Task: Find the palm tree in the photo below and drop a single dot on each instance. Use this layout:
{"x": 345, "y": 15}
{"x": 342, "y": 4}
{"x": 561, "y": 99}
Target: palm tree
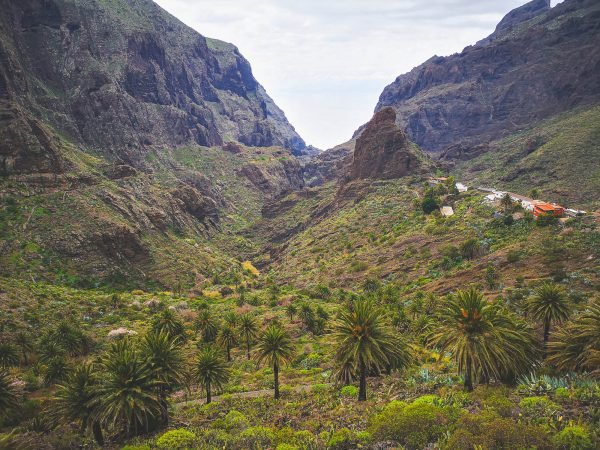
{"x": 76, "y": 400}
{"x": 548, "y": 305}
{"x": 307, "y": 315}
{"x": 207, "y": 326}
{"x": 507, "y": 203}
{"x": 168, "y": 322}
{"x": 227, "y": 339}
{"x": 249, "y": 328}
{"x": 576, "y": 346}
{"x": 127, "y": 397}
{"x": 211, "y": 371}
{"x": 275, "y": 347}
{"x": 366, "y": 340}
{"x": 8, "y": 396}
{"x": 25, "y": 342}
{"x": 291, "y": 311}
{"x": 164, "y": 356}
{"x": 231, "y": 318}
{"x": 9, "y": 355}
{"x": 484, "y": 340}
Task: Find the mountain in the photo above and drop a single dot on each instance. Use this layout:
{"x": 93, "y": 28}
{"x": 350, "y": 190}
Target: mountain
{"x": 120, "y": 78}
{"x": 129, "y": 143}
{"x": 539, "y": 62}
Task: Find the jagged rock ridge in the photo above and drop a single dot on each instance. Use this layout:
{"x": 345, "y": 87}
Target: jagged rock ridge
{"x": 539, "y": 62}
{"x": 120, "y": 78}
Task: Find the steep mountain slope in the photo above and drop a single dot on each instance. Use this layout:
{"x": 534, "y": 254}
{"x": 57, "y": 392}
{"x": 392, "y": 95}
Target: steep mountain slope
{"x": 128, "y": 143}
{"x": 121, "y": 77}
{"x": 538, "y": 62}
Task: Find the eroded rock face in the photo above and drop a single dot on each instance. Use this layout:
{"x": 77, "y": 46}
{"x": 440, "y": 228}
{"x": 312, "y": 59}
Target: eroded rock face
{"x": 383, "y": 151}
{"x": 121, "y": 81}
{"x": 538, "y": 62}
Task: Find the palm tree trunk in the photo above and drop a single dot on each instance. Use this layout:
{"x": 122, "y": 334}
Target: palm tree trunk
{"x": 248, "y": 346}
{"x": 97, "y": 430}
{"x": 468, "y": 376}
{"x": 362, "y": 388}
{"x": 228, "y": 353}
{"x": 208, "y": 396}
{"x": 276, "y": 375}
{"x": 546, "y": 336}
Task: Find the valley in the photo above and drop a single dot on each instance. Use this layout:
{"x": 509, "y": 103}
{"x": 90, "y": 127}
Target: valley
{"x": 179, "y": 270}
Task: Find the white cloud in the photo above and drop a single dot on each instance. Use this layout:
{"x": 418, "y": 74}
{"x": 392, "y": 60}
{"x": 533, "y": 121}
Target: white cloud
{"x": 326, "y": 62}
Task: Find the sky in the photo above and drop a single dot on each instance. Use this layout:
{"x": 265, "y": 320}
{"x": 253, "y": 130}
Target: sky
{"x": 325, "y": 62}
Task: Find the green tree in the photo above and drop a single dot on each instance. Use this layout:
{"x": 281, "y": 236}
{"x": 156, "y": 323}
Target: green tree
{"x": 8, "y": 397}
{"x": 507, "y": 203}
{"x": 291, "y": 311}
{"x": 576, "y": 345}
{"x": 24, "y": 341}
{"x": 231, "y": 318}
{"x": 548, "y": 305}
{"x": 207, "y": 326}
{"x": 168, "y": 322}
{"x": 227, "y": 339}
{"x": 76, "y": 401}
{"x": 9, "y": 355}
{"x": 365, "y": 340}
{"x": 307, "y": 316}
{"x": 211, "y": 371}
{"x": 248, "y": 328}
{"x": 127, "y": 396}
{"x": 275, "y": 346}
{"x": 484, "y": 340}
{"x": 164, "y": 357}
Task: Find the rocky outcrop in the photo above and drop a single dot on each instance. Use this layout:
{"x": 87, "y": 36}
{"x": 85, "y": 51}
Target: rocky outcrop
{"x": 332, "y": 164}
{"x": 539, "y": 62}
{"x": 121, "y": 80}
{"x": 383, "y": 151}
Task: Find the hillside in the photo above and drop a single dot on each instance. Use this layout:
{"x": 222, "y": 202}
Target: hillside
{"x": 539, "y": 62}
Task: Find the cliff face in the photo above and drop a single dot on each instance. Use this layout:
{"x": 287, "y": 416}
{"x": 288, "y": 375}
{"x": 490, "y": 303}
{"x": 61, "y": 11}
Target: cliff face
{"x": 538, "y": 62}
{"x": 383, "y": 151}
{"x": 121, "y": 77}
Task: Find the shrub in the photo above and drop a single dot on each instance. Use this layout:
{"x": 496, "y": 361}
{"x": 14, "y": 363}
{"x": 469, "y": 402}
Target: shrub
{"x": 562, "y": 394}
{"x": 287, "y": 447}
{"x": 341, "y": 439}
{"x": 426, "y": 400}
{"x": 537, "y": 407}
{"x": 311, "y": 361}
{"x": 513, "y": 256}
{"x": 574, "y": 437}
{"x": 349, "y": 391}
{"x": 235, "y": 421}
{"x": 544, "y": 220}
{"x": 413, "y": 425}
{"x": 256, "y": 438}
{"x": 429, "y": 204}
{"x": 500, "y": 404}
{"x": 486, "y": 430}
{"x": 136, "y": 447}
{"x": 180, "y": 439}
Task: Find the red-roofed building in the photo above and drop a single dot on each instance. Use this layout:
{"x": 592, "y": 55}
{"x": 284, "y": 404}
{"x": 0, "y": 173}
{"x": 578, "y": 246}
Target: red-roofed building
{"x": 540, "y": 207}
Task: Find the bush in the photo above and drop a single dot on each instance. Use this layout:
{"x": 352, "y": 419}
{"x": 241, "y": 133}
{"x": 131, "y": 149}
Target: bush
{"x": 413, "y": 425}
{"x": 256, "y": 438}
{"x": 544, "y": 220}
{"x": 537, "y": 407}
{"x": 429, "y": 204}
{"x": 486, "y": 430}
{"x": 513, "y": 256}
{"x": 349, "y": 391}
{"x": 341, "y": 439}
{"x": 136, "y": 447}
{"x": 234, "y": 421}
{"x": 562, "y": 394}
{"x": 180, "y": 439}
{"x": 574, "y": 437}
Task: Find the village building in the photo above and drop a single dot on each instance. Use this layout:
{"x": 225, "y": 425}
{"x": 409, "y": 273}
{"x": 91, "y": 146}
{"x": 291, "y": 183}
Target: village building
{"x": 540, "y": 207}
{"x": 447, "y": 211}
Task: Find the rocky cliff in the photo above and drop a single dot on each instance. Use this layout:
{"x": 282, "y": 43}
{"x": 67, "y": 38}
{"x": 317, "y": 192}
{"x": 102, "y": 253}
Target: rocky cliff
{"x": 538, "y": 62}
{"x": 383, "y": 151}
{"x": 121, "y": 77}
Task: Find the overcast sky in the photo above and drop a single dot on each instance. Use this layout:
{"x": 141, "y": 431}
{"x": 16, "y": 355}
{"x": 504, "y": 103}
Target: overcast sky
{"x": 325, "y": 62}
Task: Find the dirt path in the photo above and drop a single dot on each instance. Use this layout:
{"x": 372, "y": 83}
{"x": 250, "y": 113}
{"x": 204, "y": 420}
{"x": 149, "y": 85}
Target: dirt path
{"x": 247, "y": 394}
